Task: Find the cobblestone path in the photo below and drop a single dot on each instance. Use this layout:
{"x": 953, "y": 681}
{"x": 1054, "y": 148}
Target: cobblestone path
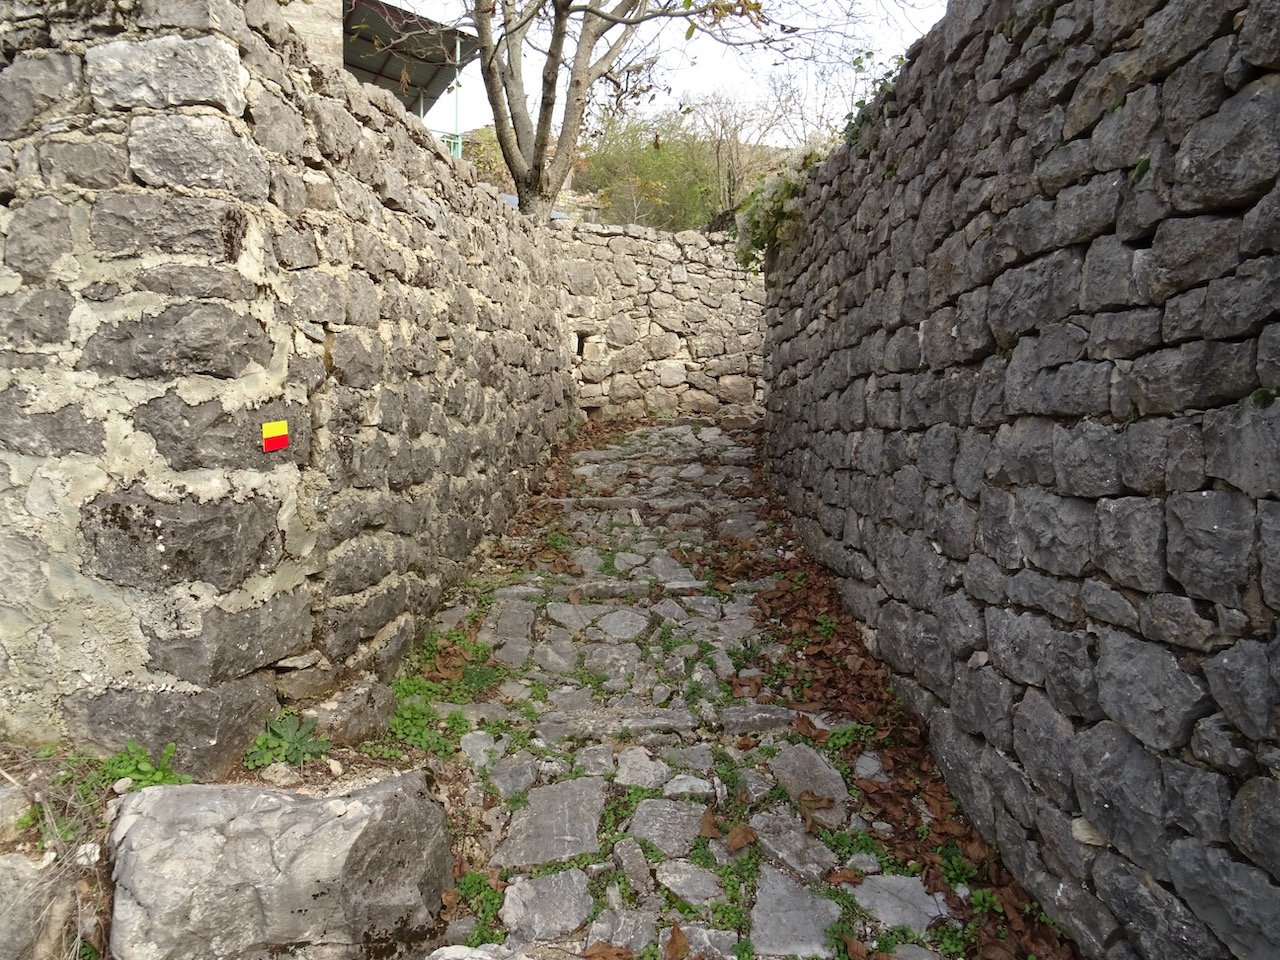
{"x": 685, "y": 751}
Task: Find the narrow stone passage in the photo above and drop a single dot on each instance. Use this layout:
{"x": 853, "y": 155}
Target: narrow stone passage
{"x": 685, "y": 750}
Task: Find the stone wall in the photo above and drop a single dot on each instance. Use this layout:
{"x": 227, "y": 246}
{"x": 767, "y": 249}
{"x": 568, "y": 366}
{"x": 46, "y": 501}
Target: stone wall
{"x": 661, "y": 324}
{"x": 1024, "y": 352}
{"x": 203, "y": 232}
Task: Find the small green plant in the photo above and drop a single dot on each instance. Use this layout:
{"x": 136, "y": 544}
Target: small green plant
{"x": 826, "y": 626}
{"x": 560, "y": 543}
{"x": 956, "y": 870}
{"x": 743, "y": 950}
{"x": 287, "y": 739}
{"x": 851, "y": 733}
{"x": 381, "y": 750}
{"x": 984, "y": 901}
{"x": 136, "y": 763}
{"x": 771, "y": 213}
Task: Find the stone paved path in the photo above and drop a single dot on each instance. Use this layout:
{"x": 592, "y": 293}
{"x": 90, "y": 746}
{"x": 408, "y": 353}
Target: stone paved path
{"x": 640, "y": 774}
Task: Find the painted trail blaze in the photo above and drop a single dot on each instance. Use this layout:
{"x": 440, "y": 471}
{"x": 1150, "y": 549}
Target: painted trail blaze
{"x": 275, "y": 435}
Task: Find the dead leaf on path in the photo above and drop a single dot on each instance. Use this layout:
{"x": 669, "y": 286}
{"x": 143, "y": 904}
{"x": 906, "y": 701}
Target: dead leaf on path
{"x": 741, "y": 837}
{"x": 607, "y": 951}
{"x": 709, "y": 828}
{"x": 449, "y": 903}
{"x": 575, "y": 595}
{"x": 844, "y": 875}
{"x": 856, "y": 949}
{"x": 996, "y": 951}
{"x": 810, "y": 802}
{"x": 807, "y": 728}
{"x": 677, "y": 944}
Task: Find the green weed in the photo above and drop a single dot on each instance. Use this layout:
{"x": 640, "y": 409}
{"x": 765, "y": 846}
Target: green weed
{"x": 287, "y": 739}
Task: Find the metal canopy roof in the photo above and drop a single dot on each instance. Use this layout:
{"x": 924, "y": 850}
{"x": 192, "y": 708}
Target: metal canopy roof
{"x": 396, "y": 49}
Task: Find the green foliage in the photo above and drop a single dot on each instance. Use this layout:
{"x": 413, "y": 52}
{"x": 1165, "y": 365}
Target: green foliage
{"x": 136, "y": 763}
{"x": 287, "y": 739}
{"x": 826, "y": 626}
{"x": 561, "y": 543}
{"x": 771, "y": 213}
{"x": 416, "y": 723}
{"x": 984, "y": 901}
{"x": 743, "y": 950}
{"x": 621, "y": 806}
{"x": 851, "y": 733}
{"x": 956, "y": 870}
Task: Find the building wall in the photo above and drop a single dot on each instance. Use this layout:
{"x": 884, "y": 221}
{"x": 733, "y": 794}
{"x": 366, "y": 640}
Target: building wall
{"x": 1024, "y": 355}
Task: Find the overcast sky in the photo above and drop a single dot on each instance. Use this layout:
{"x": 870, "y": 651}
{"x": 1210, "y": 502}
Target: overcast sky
{"x": 702, "y": 66}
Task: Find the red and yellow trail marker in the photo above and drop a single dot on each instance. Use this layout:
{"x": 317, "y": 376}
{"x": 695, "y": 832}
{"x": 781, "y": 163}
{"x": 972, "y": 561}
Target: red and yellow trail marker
{"x": 275, "y": 435}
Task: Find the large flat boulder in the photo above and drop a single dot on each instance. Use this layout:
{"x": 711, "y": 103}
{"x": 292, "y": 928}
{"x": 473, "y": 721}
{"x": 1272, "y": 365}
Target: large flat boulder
{"x": 241, "y": 872}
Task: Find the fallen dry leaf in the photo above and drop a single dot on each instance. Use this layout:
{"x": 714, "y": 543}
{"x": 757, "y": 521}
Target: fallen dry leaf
{"x": 709, "y": 828}
{"x": 844, "y": 875}
{"x": 677, "y": 944}
{"x": 741, "y": 837}
{"x": 607, "y": 951}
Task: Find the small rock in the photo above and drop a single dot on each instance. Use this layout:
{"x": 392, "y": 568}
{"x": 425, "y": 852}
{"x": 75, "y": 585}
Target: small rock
{"x": 689, "y": 882}
{"x": 782, "y": 837}
{"x": 545, "y": 908}
{"x": 670, "y": 825}
{"x": 560, "y": 821}
{"x": 686, "y": 787}
{"x": 595, "y": 761}
{"x": 637, "y": 769}
{"x": 898, "y": 901}
{"x": 801, "y": 769}
{"x": 277, "y": 774}
{"x": 625, "y": 624}
{"x": 789, "y": 920}
{"x": 632, "y": 929}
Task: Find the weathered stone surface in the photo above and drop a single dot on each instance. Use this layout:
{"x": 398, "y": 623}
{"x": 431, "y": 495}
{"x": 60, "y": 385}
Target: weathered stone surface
{"x": 547, "y": 908}
{"x": 1041, "y": 738}
{"x": 124, "y": 225}
{"x": 1233, "y": 156}
{"x": 212, "y": 728}
{"x": 670, "y": 825}
{"x": 788, "y": 920}
{"x": 55, "y": 433}
{"x": 783, "y": 837}
{"x": 277, "y": 871}
{"x": 1241, "y": 683}
{"x": 801, "y": 769}
{"x": 139, "y": 541}
{"x": 1260, "y": 34}
{"x": 1160, "y": 923}
{"x": 356, "y": 714}
{"x": 28, "y": 894}
{"x": 1118, "y": 784}
{"x": 1055, "y": 533}
{"x": 207, "y": 435}
{"x": 633, "y": 929}
{"x": 982, "y": 702}
{"x": 229, "y": 645}
{"x": 559, "y": 822}
{"x": 1214, "y": 741}
{"x": 1174, "y": 619}
{"x": 181, "y": 340}
{"x": 898, "y": 901}
{"x": 1142, "y": 687}
{"x": 39, "y": 242}
{"x": 1237, "y": 902}
{"x": 637, "y": 768}
{"x": 201, "y": 152}
{"x": 691, "y": 883}
{"x": 31, "y": 85}
{"x": 166, "y": 72}
{"x": 1210, "y": 540}
{"x": 1255, "y": 823}
{"x": 1130, "y": 545}
{"x": 1242, "y": 446}
{"x": 35, "y": 316}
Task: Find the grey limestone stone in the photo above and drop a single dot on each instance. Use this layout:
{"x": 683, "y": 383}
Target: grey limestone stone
{"x": 547, "y": 908}
{"x": 183, "y": 339}
{"x": 39, "y": 240}
{"x": 801, "y": 769}
{"x": 1174, "y": 619}
{"x": 1210, "y": 541}
{"x": 31, "y": 85}
{"x": 1055, "y": 533}
{"x": 691, "y": 883}
{"x": 1041, "y": 738}
{"x": 633, "y": 929}
{"x": 1260, "y": 34}
{"x": 1160, "y": 924}
{"x": 212, "y": 728}
{"x": 207, "y": 435}
{"x": 1239, "y": 903}
{"x": 136, "y": 540}
{"x": 788, "y": 920}
{"x": 29, "y": 893}
{"x": 275, "y": 870}
{"x": 670, "y": 825}
{"x": 1130, "y": 544}
{"x": 1232, "y": 156}
{"x": 782, "y": 837}
{"x": 982, "y": 702}
{"x": 1142, "y": 686}
{"x": 227, "y": 645}
{"x": 54, "y": 433}
{"x": 1242, "y": 446}
{"x": 637, "y": 768}
{"x": 124, "y": 225}
{"x": 167, "y": 71}
{"x": 1255, "y": 823}
{"x": 898, "y": 901}
{"x": 1087, "y": 460}
{"x": 35, "y": 316}
{"x": 559, "y": 822}
{"x": 1241, "y": 683}
{"x": 200, "y": 152}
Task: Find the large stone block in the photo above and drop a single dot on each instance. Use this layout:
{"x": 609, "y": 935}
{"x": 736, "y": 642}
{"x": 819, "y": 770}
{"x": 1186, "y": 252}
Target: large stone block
{"x": 39, "y": 243}
{"x": 982, "y": 703}
{"x": 1142, "y": 687}
{"x": 1087, "y": 460}
{"x": 54, "y": 433}
{"x": 184, "y": 339}
{"x": 167, "y": 72}
{"x": 96, "y": 165}
{"x": 32, "y": 85}
{"x": 229, "y": 645}
{"x": 1190, "y": 251}
{"x": 1241, "y": 682}
{"x": 129, "y": 224}
{"x": 31, "y": 317}
{"x": 1160, "y": 924}
{"x": 206, "y": 435}
{"x": 1242, "y": 446}
{"x": 1054, "y": 533}
{"x": 1130, "y": 544}
{"x": 1032, "y": 297}
{"x": 1210, "y": 543}
{"x": 212, "y": 728}
{"x": 1260, "y": 34}
{"x": 201, "y": 152}
{"x": 1255, "y": 823}
{"x": 1231, "y": 158}
{"x": 260, "y": 872}
{"x": 1041, "y": 738}
{"x": 1196, "y": 375}
{"x": 1239, "y": 903}
{"x": 1120, "y": 791}
{"x": 136, "y": 540}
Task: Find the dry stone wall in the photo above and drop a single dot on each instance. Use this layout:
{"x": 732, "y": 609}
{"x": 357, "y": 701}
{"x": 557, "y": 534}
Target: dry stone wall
{"x": 204, "y": 232}
{"x": 661, "y": 324}
{"x": 1025, "y": 350}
